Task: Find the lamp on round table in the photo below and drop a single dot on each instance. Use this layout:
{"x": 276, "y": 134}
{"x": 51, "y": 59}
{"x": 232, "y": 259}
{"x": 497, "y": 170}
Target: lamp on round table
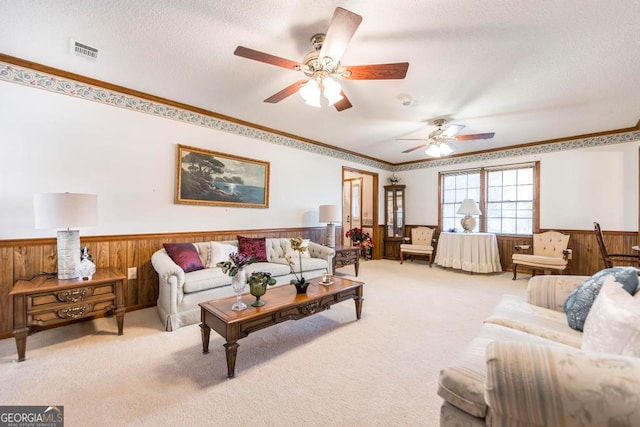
{"x": 467, "y": 208}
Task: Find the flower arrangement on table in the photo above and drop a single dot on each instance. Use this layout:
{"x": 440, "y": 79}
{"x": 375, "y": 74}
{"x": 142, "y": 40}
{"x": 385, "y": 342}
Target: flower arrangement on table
{"x": 261, "y": 278}
{"x": 258, "y": 282}
{"x": 236, "y": 262}
{"x": 360, "y": 238}
{"x": 235, "y": 268}
{"x": 297, "y": 246}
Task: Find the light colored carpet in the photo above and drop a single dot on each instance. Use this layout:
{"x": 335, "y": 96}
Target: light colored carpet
{"x": 327, "y": 369}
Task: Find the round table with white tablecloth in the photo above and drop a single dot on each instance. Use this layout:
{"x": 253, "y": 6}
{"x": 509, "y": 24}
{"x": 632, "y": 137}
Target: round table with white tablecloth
{"x": 474, "y": 252}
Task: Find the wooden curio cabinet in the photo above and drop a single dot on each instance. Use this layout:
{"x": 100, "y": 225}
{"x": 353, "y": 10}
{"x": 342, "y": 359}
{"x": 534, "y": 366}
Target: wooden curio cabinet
{"x": 393, "y": 220}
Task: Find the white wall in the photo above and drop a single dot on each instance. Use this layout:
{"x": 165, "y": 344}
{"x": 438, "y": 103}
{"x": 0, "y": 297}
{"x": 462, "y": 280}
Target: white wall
{"x": 57, "y": 143}
{"x": 577, "y": 187}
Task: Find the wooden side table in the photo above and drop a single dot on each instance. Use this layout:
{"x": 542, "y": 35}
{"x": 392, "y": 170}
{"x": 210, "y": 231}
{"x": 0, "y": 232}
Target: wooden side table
{"x": 46, "y": 301}
{"x": 347, "y": 255}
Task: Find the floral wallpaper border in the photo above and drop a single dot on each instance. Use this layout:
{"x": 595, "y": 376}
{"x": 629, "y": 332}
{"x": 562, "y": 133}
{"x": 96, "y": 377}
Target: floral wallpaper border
{"x": 618, "y": 138}
{"x": 25, "y": 76}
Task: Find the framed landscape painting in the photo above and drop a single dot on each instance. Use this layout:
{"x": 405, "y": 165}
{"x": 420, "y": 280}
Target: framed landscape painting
{"x": 210, "y": 178}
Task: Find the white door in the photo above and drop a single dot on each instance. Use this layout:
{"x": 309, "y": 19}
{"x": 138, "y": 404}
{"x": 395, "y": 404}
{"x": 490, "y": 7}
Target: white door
{"x": 352, "y": 206}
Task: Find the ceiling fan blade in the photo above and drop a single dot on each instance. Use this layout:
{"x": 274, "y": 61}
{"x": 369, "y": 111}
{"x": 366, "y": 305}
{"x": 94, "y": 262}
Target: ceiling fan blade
{"x": 397, "y": 70}
{"x": 287, "y": 91}
{"x": 245, "y": 52}
{"x": 341, "y": 29}
{"x": 475, "y": 136}
{"x": 417, "y": 147}
{"x": 344, "y": 103}
{"x": 451, "y": 130}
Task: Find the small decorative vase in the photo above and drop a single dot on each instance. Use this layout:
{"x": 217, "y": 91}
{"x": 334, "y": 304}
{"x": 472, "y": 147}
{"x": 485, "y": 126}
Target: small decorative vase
{"x": 257, "y": 290}
{"x": 238, "y": 283}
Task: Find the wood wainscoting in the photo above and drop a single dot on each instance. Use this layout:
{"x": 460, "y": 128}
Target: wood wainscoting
{"x": 24, "y": 258}
{"x": 586, "y": 258}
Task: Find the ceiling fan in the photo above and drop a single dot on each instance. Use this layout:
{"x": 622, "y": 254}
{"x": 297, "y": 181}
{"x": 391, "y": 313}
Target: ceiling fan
{"x": 322, "y": 65}
{"x": 437, "y": 139}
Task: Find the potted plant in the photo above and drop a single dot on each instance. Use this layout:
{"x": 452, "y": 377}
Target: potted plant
{"x": 300, "y": 283}
{"x": 258, "y": 282}
{"x": 357, "y": 236}
{"x": 360, "y": 238}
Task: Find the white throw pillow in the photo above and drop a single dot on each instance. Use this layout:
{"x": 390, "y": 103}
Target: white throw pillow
{"x": 613, "y": 323}
{"x": 294, "y": 254}
{"x": 219, "y": 252}
{"x": 305, "y": 244}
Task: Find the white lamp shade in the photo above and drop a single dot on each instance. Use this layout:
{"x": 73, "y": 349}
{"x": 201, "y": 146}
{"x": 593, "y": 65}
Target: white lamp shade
{"x": 310, "y": 92}
{"x": 332, "y": 90}
{"x": 439, "y": 149}
{"x": 329, "y": 213}
{"x": 469, "y": 207}
{"x": 65, "y": 210}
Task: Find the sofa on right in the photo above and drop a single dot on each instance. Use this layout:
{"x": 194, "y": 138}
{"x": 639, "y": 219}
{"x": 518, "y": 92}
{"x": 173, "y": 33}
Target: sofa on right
{"x": 528, "y": 367}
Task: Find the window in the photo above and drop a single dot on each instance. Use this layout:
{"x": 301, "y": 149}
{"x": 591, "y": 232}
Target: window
{"x": 455, "y": 188}
{"x": 506, "y": 195}
{"x": 509, "y": 201}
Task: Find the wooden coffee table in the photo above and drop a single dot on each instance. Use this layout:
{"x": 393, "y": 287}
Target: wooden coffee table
{"x": 282, "y": 304}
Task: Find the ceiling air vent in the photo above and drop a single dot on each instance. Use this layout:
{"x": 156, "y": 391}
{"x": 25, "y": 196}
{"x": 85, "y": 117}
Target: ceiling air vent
{"x": 84, "y": 51}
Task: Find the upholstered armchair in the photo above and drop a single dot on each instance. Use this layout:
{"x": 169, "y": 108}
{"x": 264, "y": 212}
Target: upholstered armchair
{"x": 549, "y": 253}
{"x": 422, "y": 243}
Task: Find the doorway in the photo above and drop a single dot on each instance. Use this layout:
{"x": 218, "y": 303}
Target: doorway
{"x": 360, "y": 204}
{"x": 351, "y": 205}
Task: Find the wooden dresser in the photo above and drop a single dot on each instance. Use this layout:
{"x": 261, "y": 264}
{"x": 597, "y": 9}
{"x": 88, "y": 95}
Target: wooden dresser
{"x": 43, "y": 301}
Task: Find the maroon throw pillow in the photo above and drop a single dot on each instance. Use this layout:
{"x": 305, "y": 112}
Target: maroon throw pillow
{"x": 185, "y": 255}
{"x": 253, "y": 247}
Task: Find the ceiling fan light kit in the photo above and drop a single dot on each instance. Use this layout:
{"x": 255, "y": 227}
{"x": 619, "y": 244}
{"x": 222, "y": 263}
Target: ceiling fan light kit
{"x": 322, "y": 65}
{"x": 439, "y": 149}
{"x": 310, "y": 91}
{"x": 436, "y": 143}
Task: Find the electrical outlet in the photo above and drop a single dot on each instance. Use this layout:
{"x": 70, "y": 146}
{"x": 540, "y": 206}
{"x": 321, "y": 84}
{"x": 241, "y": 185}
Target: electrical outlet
{"x": 132, "y": 273}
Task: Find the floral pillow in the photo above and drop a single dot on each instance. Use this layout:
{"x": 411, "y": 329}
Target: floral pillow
{"x": 613, "y": 324}
{"x": 253, "y": 247}
{"x": 581, "y": 299}
{"x": 185, "y": 255}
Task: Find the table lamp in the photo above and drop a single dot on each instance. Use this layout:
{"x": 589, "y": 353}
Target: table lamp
{"x": 330, "y": 214}
{"x": 64, "y": 211}
{"x": 467, "y": 208}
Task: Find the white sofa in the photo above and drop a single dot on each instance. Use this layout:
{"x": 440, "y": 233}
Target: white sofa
{"x": 180, "y": 292}
{"x": 526, "y": 368}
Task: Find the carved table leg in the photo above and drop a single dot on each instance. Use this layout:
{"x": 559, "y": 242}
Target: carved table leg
{"x": 231, "y": 349}
{"x": 21, "y": 342}
{"x": 358, "y": 300}
{"x": 206, "y": 332}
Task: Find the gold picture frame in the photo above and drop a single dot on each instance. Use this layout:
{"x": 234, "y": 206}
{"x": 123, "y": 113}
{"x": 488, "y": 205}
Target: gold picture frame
{"x": 205, "y": 177}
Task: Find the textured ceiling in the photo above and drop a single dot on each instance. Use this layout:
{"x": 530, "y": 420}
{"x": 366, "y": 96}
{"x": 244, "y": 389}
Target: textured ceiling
{"x": 527, "y": 70}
